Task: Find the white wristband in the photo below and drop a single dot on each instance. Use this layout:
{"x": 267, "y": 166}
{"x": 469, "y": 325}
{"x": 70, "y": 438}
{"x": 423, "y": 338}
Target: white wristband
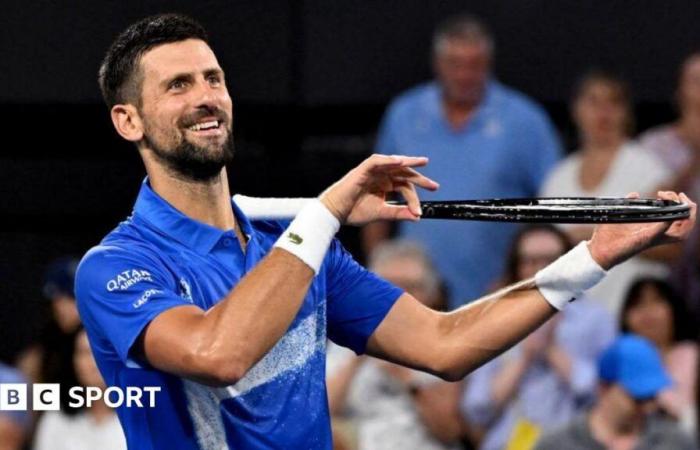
{"x": 310, "y": 234}
{"x": 256, "y": 208}
{"x": 569, "y": 276}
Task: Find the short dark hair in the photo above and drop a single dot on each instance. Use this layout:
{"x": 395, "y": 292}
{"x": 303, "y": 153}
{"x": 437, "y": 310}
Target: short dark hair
{"x": 465, "y": 27}
{"x": 605, "y": 76}
{"x": 683, "y": 324}
{"x": 613, "y": 80}
{"x": 119, "y": 77}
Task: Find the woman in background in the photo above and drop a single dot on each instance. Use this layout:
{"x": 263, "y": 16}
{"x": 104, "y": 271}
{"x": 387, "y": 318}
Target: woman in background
{"x": 96, "y": 427}
{"x": 607, "y": 164}
{"x": 652, "y": 310}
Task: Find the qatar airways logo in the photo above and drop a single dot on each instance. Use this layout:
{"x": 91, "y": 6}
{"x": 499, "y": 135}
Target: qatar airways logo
{"x": 128, "y": 278}
{"x": 47, "y": 396}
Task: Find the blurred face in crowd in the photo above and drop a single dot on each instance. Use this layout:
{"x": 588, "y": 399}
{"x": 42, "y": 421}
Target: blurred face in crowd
{"x": 651, "y": 316}
{"x": 462, "y": 67}
{"x": 622, "y": 410}
{"x": 689, "y": 86}
{"x": 186, "y": 111}
{"x": 84, "y": 362}
{"x": 601, "y": 113}
{"x": 537, "y": 249}
{"x": 410, "y": 274}
{"x": 65, "y": 312}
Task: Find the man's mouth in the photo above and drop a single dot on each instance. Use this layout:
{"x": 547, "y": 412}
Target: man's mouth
{"x": 212, "y": 127}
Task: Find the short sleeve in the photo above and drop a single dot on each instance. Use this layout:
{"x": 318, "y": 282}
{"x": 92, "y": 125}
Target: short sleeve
{"x": 119, "y": 292}
{"x": 357, "y": 300}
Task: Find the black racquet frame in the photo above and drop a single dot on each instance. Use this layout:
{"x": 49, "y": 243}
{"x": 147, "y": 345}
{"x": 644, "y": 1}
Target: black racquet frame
{"x": 557, "y": 210}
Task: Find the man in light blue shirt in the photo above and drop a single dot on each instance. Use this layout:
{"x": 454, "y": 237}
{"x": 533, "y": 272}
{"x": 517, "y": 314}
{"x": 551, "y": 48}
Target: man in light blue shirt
{"x": 484, "y": 140}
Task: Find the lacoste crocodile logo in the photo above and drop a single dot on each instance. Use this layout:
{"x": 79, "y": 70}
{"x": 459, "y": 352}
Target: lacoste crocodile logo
{"x": 295, "y": 238}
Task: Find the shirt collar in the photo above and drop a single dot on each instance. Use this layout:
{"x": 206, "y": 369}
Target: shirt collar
{"x": 199, "y": 236}
{"x": 485, "y": 106}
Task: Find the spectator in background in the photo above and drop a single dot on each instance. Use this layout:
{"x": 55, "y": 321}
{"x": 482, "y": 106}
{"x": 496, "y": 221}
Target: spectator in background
{"x": 14, "y": 425}
{"x": 547, "y": 379}
{"x": 607, "y": 165}
{"x": 484, "y": 140}
{"x": 653, "y": 310}
{"x": 631, "y": 376}
{"x": 678, "y": 145}
{"x": 96, "y": 427}
{"x": 389, "y": 406}
{"x": 49, "y": 359}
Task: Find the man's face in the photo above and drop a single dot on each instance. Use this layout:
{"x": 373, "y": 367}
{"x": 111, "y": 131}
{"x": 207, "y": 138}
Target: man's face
{"x": 186, "y": 109}
{"x": 462, "y": 67}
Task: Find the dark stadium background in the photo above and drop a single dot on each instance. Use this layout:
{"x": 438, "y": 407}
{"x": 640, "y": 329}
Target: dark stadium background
{"x": 310, "y": 80}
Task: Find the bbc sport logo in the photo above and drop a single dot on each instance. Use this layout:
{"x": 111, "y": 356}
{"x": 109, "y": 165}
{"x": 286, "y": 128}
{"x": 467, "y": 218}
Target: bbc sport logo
{"x": 47, "y": 396}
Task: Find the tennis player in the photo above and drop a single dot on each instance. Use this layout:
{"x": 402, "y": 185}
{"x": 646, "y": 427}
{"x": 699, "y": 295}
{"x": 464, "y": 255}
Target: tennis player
{"x": 229, "y": 316}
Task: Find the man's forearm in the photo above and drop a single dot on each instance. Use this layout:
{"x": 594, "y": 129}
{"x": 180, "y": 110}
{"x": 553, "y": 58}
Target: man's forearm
{"x": 258, "y": 311}
{"x": 480, "y": 331}
{"x": 220, "y": 345}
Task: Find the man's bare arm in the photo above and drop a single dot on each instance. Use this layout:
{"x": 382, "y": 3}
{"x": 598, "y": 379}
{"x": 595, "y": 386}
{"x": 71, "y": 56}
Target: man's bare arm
{"x": 218, "y": 346}
{"x": 453, "y": 344}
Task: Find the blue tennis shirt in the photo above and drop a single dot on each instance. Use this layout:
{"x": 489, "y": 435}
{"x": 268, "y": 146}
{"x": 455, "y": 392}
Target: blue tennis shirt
{"x": 159, "y": 259}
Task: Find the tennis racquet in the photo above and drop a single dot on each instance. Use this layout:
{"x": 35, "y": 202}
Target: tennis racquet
{"x": 557, "y": 210}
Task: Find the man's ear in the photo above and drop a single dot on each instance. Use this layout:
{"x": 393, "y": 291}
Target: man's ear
{"x": 127, "y": 122}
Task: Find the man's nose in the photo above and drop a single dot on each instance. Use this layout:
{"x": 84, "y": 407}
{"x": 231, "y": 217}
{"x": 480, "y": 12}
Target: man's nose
{"x": 207, "y": 96}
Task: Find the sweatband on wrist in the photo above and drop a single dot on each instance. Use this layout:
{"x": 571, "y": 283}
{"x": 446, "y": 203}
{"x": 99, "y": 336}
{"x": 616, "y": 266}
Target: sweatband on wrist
{"x": 569, "y": 276}
{"x": 271, "y": 208}
{"x": 310, "y": 234}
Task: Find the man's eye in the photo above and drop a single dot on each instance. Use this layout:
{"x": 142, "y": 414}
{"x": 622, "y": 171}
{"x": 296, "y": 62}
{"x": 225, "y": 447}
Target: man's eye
{"x": 177, "y": 84}
{"x": 215, "y": 80}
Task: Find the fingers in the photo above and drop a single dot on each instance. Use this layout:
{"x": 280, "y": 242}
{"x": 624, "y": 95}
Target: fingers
{"x": 668, "y": 195}
{"x": 383, "y": 161}
{"x": 412, "y": 161}
{"x": 408, "y": 191}
{"x": 632, "y": 195}
{"x": 397, "y": 212}
{"x": 410, "y": 175}
{"x": 693, "y": 206}
{"x": 680, "y": 229}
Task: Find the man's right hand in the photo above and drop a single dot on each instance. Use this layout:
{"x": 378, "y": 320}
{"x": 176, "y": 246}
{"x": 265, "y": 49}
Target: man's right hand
{"x": 360, "y": 196}
{"x": 611, "y": 244}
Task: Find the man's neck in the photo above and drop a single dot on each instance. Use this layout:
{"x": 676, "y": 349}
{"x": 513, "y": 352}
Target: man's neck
{"x": 458, "y": 113}
{"x": 206, "y": 202}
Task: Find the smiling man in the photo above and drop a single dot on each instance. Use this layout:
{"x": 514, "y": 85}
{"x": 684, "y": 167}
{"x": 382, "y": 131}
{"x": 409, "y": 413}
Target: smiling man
{"x": 229, "y": 316}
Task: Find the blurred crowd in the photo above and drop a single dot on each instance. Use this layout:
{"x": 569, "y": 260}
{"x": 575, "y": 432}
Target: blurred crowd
{"x": 618, "y": 369}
